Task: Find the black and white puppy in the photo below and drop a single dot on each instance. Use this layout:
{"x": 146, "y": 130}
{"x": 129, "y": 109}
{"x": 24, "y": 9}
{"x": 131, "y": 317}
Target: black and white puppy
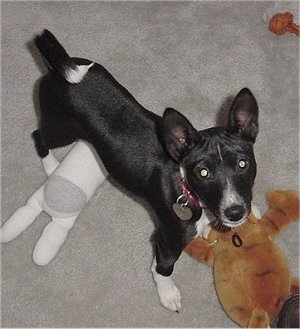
{"x": 179, "y": 171}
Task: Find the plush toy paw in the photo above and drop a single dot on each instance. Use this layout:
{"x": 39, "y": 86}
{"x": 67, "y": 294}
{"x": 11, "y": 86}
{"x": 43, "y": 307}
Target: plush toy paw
{"x": 53, "y": 236}
{"x": 22, "y": 217}
{"x": 259, "y": 319}
{"x": 287, "y": 201}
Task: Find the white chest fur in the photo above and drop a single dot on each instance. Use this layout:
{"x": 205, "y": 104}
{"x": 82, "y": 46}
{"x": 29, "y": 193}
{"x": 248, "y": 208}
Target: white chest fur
{"x": 203, "y": 224}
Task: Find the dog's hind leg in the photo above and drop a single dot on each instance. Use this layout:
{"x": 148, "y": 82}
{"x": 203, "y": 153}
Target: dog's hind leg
{"x": 49, "y": 161}
{"x": 58, "y": 132}
{"x": 58, "y": 125}
{"x": 57, "y": 128}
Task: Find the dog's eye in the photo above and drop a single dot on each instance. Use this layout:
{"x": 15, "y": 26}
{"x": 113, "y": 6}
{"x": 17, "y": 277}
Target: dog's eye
{"x": 204, "y": 173}
{"x": 242, "y": 163}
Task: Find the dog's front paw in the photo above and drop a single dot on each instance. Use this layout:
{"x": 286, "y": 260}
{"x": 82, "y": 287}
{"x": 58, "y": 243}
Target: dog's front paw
{"x": 169, "y": 296}
{"x": 168, "y": 293}
{"x": 255, "y": 211}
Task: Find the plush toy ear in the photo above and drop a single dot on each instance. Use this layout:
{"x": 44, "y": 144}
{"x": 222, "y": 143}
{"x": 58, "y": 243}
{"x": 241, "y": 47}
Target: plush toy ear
{"x": 178, "y": 133}
{"x": 243, "y": 116}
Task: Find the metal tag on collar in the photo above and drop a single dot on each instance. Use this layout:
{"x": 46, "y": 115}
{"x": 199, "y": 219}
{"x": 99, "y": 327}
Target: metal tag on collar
{"x": 181, "y": 208}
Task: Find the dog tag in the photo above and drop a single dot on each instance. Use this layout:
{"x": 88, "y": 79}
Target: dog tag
{"x": 182, "y": 212}
{"x": 181, "y": 208}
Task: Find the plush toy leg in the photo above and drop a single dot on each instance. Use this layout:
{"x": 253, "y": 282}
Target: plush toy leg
{"x": 283, "y": 210}
{"x": 259, "y": 319}
{"x": 23, "y": 217}
{"x": 53, "y": 236}
{"x": 50, "y": 163}
{"x": 201, "y": 250}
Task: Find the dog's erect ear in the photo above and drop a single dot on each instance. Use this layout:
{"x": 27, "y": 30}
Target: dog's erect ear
{"x": 178, "y": 133}
{"x": 243, "y": 116}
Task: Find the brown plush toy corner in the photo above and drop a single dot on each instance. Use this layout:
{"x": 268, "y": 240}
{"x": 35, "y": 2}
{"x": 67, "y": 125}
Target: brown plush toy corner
{"x": 252, "y": 281}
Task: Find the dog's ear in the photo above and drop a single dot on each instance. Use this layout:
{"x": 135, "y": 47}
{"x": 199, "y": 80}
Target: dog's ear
{"x": 178, "y": 133}
{"x": 243, "y": 116}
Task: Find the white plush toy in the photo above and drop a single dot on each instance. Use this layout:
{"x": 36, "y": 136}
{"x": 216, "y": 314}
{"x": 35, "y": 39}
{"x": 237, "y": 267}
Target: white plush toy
{"x": 69, "y": 187}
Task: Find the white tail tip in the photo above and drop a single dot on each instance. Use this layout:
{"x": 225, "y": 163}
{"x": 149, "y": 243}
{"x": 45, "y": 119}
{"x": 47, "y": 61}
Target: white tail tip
{"x": 76, "y": 75}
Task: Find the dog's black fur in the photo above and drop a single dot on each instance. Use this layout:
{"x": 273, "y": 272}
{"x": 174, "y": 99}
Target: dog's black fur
{"x": 144, "y": 152}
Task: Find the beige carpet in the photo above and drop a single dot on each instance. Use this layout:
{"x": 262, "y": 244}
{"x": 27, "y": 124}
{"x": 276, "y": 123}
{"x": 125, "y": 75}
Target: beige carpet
{"x": 188, "y": 55}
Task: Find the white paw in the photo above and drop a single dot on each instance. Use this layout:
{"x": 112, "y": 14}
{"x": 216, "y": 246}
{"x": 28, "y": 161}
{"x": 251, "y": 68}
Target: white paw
{"x": 169, "y": 297}
{"x": 255, "y": 211}
{"x": 168, "y": 293}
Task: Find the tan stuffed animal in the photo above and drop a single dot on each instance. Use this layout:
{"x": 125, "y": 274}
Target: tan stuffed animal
{"x": 251, "y": 274}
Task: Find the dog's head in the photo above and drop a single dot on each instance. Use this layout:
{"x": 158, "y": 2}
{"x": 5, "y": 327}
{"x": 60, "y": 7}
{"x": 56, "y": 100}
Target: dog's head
{"x": 219, "y": 162}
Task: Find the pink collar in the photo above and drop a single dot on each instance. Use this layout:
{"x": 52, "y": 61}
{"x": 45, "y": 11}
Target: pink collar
{"x": 192, "y": 198}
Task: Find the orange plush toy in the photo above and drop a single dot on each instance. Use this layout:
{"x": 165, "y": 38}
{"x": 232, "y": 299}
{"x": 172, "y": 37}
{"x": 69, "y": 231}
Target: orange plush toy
{"x": 251, "y": 274}
{"x": 282, "y": 23}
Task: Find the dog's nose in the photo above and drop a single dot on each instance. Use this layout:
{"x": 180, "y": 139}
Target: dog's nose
{"x": 235, "y": 213}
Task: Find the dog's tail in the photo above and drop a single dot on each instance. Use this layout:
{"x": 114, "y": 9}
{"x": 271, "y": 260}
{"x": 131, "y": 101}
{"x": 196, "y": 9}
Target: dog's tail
{"x": 57, "y": 58}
